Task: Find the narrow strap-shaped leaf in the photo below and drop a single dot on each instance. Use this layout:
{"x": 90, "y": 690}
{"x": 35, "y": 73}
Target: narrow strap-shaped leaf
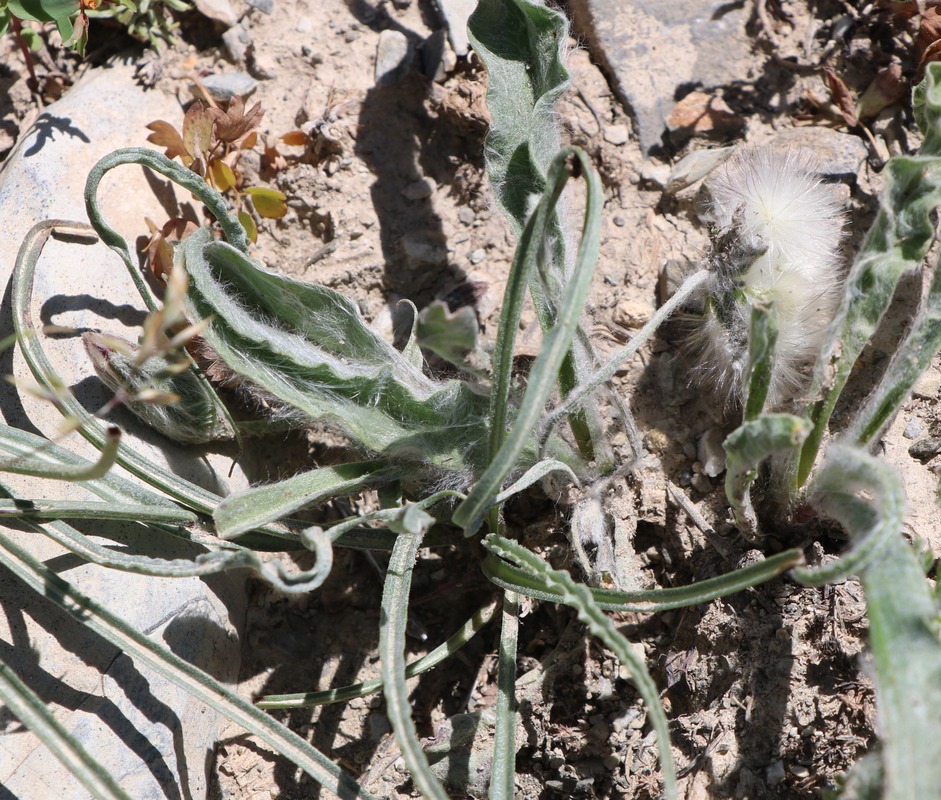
{"x": 34, "y": 713}
{"x": 395, "y": 599}
{"x": 897, "y": 242}
{"x": 911, "y": 359}
{"x": 250, "y": 509}
{"x": 609, "y": 369}
{"x": 176, "y": 670}
{"x": 579, "y": 597}
{"x": 906, "y": 654}
{"x": 468, "y": 630}
{"x": 503, "y": 776}
{"x": 872, "y": 523}
{"x": 42, "y": 510}
{"x": 89, "y": 471}
{"x": 525, "y": 582}
{"x": 762, "y": 340}
{"x": 542, "y": 378}
{"x": 92, "y": 429}
{"x": 746, "y": 448}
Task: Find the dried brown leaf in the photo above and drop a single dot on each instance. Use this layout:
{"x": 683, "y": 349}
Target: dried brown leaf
{"x": 166, "y": 136}
{"x": 843, "y": 97}
{"x": 235, "y": 123}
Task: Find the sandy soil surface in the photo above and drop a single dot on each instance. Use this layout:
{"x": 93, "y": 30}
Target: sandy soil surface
{"x": 767, "y": 691}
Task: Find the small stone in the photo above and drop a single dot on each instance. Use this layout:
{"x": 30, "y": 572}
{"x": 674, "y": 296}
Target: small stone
{"x": 774, "y": 774}
{"x": 236, "y": 42}
{"x": 304, "y": 25}
{"x": 438, "y": 59}
{"x": 455, "y": 14}
{"x": 611, "y": 762}
{"x": 401, "y": 5}
{"x": 699, "y": 112}
{"x": 466, "y": 215}
{"x": 619, "y": 220}
{"x": 799, "y": 771}
{"x": 421, "y": 189}
{"x": 424, "y": 250}
{"x": 928, "y": 385}
{"x": 711, "y": 453}
{"x": 912, "y": 429}
{"x": 223, "y": 86}
{"x": 616, "y": 134}
{"x": 264, "y": 66}
{"x": 393, "y": 57}
{"x": 925, "y": 449}
{"x": 701, "y": 483}
{"x": 218, "y": 10}
{"x": 264, "y": 6}
{"x": 840, "y": 155}
{"x": 632, "y": 313}
{"x": 476, "y": 256}
{"x": 651, "y": 50}
{"x": 672, "y": 275}
{"x": 657, "y": 174}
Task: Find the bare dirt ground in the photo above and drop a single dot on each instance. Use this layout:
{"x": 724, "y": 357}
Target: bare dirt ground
{"x": 766, "y": 691}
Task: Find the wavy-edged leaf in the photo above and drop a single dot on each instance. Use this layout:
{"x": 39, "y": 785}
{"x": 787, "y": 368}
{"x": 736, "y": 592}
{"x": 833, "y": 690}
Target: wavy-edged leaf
{"x": 746, "y": 448}
{"x": 308, "y": 347}
{"x": 395, "y": 599}
{"x": 506, "y": 452}
{"x": 873, "y": 521}
{"x": 579, "y": 597}
{"x": 502, "y": 573}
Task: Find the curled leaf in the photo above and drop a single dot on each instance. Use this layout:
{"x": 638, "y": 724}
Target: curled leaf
{"x": 270, "y": 203}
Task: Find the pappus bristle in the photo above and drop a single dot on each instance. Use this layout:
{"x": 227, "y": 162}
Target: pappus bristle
{"x": 776, "y": 240}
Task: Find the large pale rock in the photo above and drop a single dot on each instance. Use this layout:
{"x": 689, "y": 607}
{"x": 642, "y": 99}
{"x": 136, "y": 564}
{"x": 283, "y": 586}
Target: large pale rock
{"x": 655, "y": 50}
{"x": 153, "y": 737}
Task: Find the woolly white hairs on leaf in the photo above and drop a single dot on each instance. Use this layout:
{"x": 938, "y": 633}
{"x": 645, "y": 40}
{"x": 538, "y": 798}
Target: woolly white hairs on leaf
{"x": 776, "y": 240}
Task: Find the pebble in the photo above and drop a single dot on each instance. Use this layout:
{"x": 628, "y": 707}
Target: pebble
{"x": 455, "y": 14}
{"x": 218, "y": 10}
{"x": 700, "y": 112}
{"x": 928, "y": 385}
{"x": 264, "y": 6}
{"x": 912, "y": 429}
{"x": 264, "y": 66}
{"x": 236, "y": 42}
{"x": 840, "y": 155}
{"x": 438, "y": 59}
{"x": 424, "y": 250}
{"x": 393, "y": 57}
{"x": 421, "y": 189}
{"x": 476, "y": 256}
{"x": 925, "y": 449}
{"x": 223, "y": 86}
{"x": 619, "y": 220}
{"x": 774, "y": 774}
{"x": 304, "y": 25}
{"x": 616, "y": 134}
{"x": 701, "y": 483}
{"x": 466, "y": 215}
{"x": 651, "y": 50}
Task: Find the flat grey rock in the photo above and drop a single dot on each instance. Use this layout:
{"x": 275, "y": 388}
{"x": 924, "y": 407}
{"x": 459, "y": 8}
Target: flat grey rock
{"x": 150, "y": 735}
{"x": 393, "y": 57}
{"x": 840, "y": 155}
{"x": 656, "y": 49}
{"x": 455, "y": 14}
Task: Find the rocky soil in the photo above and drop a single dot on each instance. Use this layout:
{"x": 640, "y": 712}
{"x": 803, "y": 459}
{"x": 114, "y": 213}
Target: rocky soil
{"x": 767, "y": 691}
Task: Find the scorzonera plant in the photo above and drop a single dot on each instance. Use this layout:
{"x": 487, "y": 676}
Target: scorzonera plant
{"x": 445, "y": 454}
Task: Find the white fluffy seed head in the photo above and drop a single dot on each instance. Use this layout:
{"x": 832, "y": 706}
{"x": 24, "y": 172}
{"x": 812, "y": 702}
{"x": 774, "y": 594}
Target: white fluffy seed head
{"x": 776, "y": 240}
